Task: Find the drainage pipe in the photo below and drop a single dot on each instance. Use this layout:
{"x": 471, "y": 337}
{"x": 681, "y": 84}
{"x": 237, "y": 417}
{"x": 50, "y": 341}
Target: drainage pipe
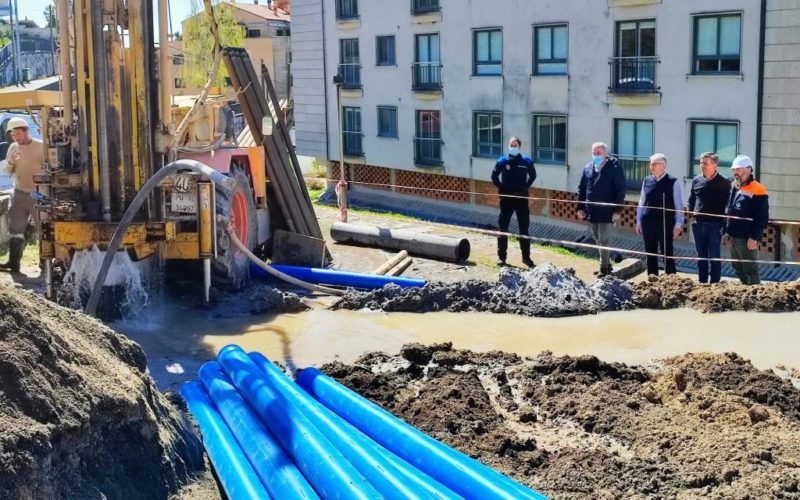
{"x": 237, "y": 476}
{"x": 278, "y": 473}
{"x": 391, "y": 476}
{"x": 462, "y": 474}
{"x": 221, "y": 181}
{"x": 425, "y": 245}
{"x": 331, "y": 475}
{"x": 341, "y": 278}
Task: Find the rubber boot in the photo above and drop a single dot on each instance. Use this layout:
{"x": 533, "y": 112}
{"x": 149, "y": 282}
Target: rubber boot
{"x": 16, "y": 246}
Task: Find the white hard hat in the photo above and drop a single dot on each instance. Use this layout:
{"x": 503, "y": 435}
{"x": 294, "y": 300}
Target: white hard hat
{"x": 742, "y": 161}
{"x": 16, "y": 122}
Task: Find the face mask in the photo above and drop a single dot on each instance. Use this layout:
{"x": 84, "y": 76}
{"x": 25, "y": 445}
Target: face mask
{"x": 513, "y": 151}
{"x": 597, "y": 160}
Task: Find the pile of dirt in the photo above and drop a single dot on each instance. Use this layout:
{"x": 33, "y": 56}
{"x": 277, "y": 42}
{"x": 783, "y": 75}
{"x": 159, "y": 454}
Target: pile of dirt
{"x": 671, "y": 291}
{"x": 79, "y": 417}
{"x": 698, "y": 425}
{"x": 264, "y": 299}
{"x": 543, "y": 291}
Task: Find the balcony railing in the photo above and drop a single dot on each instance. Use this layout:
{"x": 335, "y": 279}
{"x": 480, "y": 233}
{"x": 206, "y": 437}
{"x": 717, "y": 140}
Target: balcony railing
{"x": 353, "y": 145}
{"x": 635, "y": 169}
{"x": 346, "y": 9}
{"x": 426, "y": 76}
{"x": 633, "y": 75}
{"x": 427, "y": 151}
{"x": 424, "y": 6}
{"x": 351, "y": 75}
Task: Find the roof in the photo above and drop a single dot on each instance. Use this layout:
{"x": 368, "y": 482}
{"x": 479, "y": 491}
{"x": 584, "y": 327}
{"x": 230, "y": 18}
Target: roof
{"x": 264, "y": 11}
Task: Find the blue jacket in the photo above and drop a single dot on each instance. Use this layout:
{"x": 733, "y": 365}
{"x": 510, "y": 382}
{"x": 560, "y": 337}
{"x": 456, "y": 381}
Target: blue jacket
{"x": 514, "y": 174}
{"x": 606, "y": 186}
{"x": 751, "y": 201}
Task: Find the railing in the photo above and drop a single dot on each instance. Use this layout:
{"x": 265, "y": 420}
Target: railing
{"x": 426, "y": 76}
{"x": 351, "y": 75}
{"x": 427, "y": 151}
{"x": 424, "y": 6}
{"x": 346, "y": 9}
{"x": 635, "y": 169}
{"x": 353, "y": 143}
{"x": 633, "y": 74}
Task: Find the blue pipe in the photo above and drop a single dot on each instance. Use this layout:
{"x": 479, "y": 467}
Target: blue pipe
{"x": 237, "y": 476}
{"x": 339, "y": 278}
{"x": 392, "y": 477}
{"x": 324, "y": 466}
{"x": 462, "y": 474}
{"x": 275, "y": 468}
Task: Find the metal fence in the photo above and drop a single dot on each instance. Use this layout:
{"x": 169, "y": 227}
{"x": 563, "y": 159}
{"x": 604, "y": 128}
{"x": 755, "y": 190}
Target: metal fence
{"x": 633, "y": 74}
{"x": 351, "y": 75}
{"x": 424, "y": 6}
{"x": 426, "y": 76}
{"x": 427, "y": 151}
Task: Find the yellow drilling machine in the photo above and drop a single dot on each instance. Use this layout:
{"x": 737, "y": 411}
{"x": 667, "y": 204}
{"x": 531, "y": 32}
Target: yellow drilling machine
{"x": 171, "y": 182}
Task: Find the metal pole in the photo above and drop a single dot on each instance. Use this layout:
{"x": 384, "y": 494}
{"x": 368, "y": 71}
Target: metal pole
{"x": 64, "y": 60}
{"x": 341, "y": 187}
{"x": 101, "y": 93}
{"x": 14, "y": 41}
{"x": 664, "y": 223}
{"x": 52, "y": 42}
{"x": 165, "y": 67}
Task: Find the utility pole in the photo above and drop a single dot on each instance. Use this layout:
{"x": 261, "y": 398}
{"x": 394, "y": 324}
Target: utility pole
{"x": 18, "y": 53}
{"x": 50, "y": 23}
{"x": 341, "y": 187}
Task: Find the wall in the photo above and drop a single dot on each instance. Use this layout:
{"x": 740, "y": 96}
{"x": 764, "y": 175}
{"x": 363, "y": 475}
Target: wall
{"x": 308, "y": 78}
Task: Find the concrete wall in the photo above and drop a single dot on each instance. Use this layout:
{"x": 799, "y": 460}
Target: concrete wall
{"x": 581, "y": 95}
{"x": 780, "y": 140}
{"x": 308, "y": 78}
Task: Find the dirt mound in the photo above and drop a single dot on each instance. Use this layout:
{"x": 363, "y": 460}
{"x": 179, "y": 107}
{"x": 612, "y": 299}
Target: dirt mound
{"x": 544, "y": 291}
{"x": 673, "y": 291}
{"x": 264, "y": 299}
{"x": 698, "y": 425}
{"x": 79, "y": 417}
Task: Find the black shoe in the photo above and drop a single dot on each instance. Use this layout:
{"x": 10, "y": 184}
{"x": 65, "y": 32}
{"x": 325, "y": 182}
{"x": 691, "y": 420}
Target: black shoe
{"x": 16, "y": 246}
{"x": 501, "y": 262}
{"x": 528, "y": 262}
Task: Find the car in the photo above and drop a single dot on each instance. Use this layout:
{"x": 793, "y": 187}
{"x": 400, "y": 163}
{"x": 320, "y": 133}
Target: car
{"x": 6, "y": 180}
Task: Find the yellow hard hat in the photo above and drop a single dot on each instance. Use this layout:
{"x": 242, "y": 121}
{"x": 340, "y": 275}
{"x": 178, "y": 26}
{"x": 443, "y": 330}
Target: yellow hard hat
{"x": 16, "y": 122}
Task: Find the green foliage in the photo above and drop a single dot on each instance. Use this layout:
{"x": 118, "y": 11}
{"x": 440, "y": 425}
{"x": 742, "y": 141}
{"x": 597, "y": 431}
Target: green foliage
{"x": 50, "y": 17}
{"x": 198, "y": 44}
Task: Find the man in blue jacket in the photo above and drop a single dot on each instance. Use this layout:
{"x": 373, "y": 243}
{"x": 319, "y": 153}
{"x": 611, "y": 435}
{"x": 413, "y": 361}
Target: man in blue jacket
{"x": 748, "y": 206}
{"x": 513, "y": 175}
{"x": 602, "y": 181}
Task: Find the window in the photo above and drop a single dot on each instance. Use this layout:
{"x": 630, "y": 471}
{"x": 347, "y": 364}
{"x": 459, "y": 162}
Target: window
{"x": 253, "y": 33}
{"x": 179, "y": 83}
{"x": 346, "y": 9}
{"x": 550, "y": 139}
{"x": 717, "y": 43}
{"x": 634, "y": 64}
{"x": 384, "y": 51}
{"x": 487, "y": 52}
{"x": 550, "y": 50}
{"x": 721, "y": 138}
{"x": 424, "y": 6}
{"x": 428, "y": 139}
{"x": 387, "y": 121}
{"x": 350, "y": 63}
{"x": 283, "y": 30}
{"x": 487, "y": 138}
{"x": 634, "y": 146}
{"x": 427, "y": 68}
{"x": 177, "y": 59}
{"x": 351, "y": 131}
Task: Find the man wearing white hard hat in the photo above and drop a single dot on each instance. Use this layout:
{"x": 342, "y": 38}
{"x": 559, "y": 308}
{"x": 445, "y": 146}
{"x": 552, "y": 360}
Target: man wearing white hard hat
{"x": 748, "y": 208}
{"x": 24, "y": 159}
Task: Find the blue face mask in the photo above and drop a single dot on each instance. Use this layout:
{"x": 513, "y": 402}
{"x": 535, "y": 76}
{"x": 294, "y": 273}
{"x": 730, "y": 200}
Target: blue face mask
{"x": 513, "y": 151}
{"x": 597, "y": 160}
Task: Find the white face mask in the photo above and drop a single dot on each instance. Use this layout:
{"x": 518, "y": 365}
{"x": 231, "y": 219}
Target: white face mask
{"x": 512, "y": 151}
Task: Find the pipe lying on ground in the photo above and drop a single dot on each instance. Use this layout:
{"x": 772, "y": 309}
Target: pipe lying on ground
{"x": 237, "y": 476}
{"x": 331, "y": 475}
{"x": 462, "y": 474}
{"x": 424, "y": 245}
{"x": 339, "y": 278}
{"x": 393, "y": 261}
{"x": 278, "y": 473}
{"x": 391, "y": 476}
{"x": 402, "y": 266}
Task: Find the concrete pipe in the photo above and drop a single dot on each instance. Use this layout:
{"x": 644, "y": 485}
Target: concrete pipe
{"x": 424, "y": 245}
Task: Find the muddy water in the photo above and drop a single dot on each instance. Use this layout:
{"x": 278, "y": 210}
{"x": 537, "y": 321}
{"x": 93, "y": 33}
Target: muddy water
{"x": 178, "y": 345}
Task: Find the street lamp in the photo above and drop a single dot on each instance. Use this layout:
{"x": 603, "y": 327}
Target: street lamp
{"x": 341, "y": 187}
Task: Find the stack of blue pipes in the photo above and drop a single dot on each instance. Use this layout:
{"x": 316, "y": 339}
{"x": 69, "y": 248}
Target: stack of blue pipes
{"x": 270, "y": 437}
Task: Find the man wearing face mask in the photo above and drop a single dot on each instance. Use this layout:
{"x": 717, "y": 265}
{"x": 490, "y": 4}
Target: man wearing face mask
{"x": 748, "y": 206}
{"x": 602, "y": 181}
{"x": 513, "y": 175}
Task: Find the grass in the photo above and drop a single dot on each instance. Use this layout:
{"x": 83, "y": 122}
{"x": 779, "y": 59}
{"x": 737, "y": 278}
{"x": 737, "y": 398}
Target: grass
{"x": 30, "y": 257}
{"x": 563, "y": 251}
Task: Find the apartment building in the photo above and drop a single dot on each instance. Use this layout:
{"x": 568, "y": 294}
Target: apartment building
{"x": 433, "y": 89}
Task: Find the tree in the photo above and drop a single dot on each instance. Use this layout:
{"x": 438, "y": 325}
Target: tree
{"x": 50, "y": 17}
{"x": 198, "y": 44}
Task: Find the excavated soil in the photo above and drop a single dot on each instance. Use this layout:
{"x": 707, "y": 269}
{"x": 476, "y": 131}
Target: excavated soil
{"x": 673, "y": 291}
{"x": 693, "y": 426}
{"x": 79, "y": 417}
{"x": 543, "y": 291}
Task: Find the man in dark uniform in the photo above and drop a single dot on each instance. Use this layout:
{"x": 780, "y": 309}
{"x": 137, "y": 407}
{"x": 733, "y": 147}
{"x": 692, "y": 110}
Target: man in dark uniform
{"x": 513, "y": 175}
{"x": 748, "y": 208}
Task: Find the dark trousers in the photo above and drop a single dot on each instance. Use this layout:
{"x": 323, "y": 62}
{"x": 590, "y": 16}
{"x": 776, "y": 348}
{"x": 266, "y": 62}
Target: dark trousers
{"x": 509, "y": 206}
{"x": 746, "y": 269}
{"x": 707, "y": 241}
{"x": 656, "y": 240}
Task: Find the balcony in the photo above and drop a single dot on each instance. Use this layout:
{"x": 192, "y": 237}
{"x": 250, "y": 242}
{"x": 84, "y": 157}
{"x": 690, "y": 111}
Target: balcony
{"x": 352, "y": 143}
{"x": 346, "y": 9}
{"x": 426, "y": 77}
{"x": 424, "y": 6}
{"x": 635, "y": 169}
{"x": 351, "y": 75}
{"x": 633, "y": 75}
{"x": 428, "y": 151}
